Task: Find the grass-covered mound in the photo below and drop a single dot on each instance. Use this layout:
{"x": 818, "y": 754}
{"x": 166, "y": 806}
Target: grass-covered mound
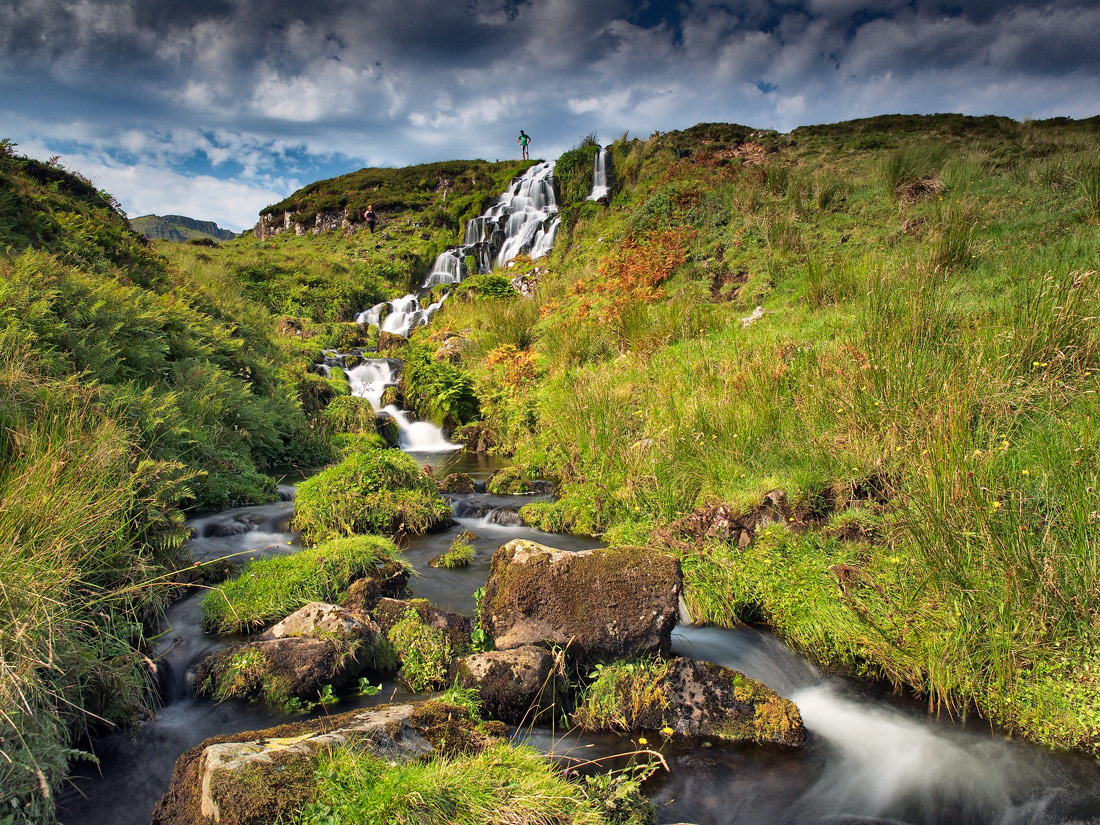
{"x": 912, "y": 414}
{"x": 374, "y": 491}
{"x": 271, "y": 589}
{"x": 500, "y": 785}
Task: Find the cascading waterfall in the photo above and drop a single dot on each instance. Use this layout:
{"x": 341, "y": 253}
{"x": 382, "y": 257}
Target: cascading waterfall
{"x": 601, "y": 176}
{"x": 399, "y": 316}
{"x": 523, "y": 219}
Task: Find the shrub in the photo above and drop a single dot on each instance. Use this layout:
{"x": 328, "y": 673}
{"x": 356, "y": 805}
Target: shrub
{"x": 435, "y": 389}
{"x": 375, "y": 491}
{"x": 271, "y": 589}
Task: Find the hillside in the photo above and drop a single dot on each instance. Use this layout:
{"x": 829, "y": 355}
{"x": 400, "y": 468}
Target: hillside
{"x": 895, "y": 466}
{"x": 178, "y": 228}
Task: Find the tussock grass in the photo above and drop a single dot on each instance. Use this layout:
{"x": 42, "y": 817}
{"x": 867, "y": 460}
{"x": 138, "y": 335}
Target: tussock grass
{"x": 500, "y": 786}
{"x": 269, "y": 590}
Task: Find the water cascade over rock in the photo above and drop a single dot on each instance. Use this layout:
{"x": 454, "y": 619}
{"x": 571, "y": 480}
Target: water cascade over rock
{"x": 399, "y": 316}
{"x": 523, "y": 219}
{"x": 601, "y": 176}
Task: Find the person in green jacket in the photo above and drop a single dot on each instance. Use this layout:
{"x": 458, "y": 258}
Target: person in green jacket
{"x": 523, "y": 140}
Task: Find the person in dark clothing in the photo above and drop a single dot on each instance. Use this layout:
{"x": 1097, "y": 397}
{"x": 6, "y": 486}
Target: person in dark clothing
{"x": 370, "y": 217}
{"x": 523, "y": 140}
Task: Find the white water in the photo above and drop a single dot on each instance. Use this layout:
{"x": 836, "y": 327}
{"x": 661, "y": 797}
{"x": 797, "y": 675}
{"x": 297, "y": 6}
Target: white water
{"x": 399, "y": 316}
{"x": 523, "y": 219}
{"x": 419, "y": 436}
{"x": 370, "y": 379}
{"x": 601, "y": 179}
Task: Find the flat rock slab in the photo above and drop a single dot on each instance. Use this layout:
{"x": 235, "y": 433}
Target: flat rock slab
{"x": 601, "y": 604}
{"x": 519, "y": 686}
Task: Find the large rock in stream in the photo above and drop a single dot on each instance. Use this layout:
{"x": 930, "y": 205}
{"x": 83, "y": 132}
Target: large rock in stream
{"x": 320, "y": 644}
{"x": 692, "y": 698}
{"x": 599, "y": 604}
{"x": 267, "y": 776}
{"x": 522, "y": 686}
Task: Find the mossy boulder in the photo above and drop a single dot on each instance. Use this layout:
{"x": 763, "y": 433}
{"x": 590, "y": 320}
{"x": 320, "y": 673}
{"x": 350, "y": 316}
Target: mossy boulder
{"x": 390, "y": 342}
{"x": 349, "y": 414}
{"x": 510, "y": 481}
{"x": 375, "y": 491}
{"x": 477, "y": 437}
{"x": 455, "y": 627}
{"x": 690, "y": 698}
{"x": 460, "y": 554}
{"x": 457, "y": 483}
{"x": 319, "y": 645}
{"x": 519, "y": 686}
{"x": 389, "y": 581}
{"x": 604, "y": 604}
{"x": 269, "y": 775}
{"x": 390, "y": 395}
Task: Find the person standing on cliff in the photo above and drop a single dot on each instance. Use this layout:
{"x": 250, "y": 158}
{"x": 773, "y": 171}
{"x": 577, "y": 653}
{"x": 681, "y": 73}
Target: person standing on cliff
{"x": 370, "y": 218}
{"x": 523, "y": 140}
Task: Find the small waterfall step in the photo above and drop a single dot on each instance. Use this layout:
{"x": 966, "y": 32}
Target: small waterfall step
{"x": 601, "y": 176}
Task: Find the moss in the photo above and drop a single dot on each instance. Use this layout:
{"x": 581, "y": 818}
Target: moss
{"x": 451, "y": 729}
{"x": 262, "y": 792}
{"x": 375, "y": 491}
{"x": 457, "y": 483}
{"x": 510, "y": 481}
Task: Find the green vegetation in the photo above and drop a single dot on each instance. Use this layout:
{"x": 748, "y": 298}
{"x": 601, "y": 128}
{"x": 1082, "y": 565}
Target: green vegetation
{"x": 434, "y": 389}
{"x": 373, "y": 491}
{"x": 459, "y": 554}
{"x": 498, "y": 786}
{"x": 912, "y": 413}
{"x": 180, "y": 229}
{"x": 440, "y": 194}
{"x": 423, "y": 651}
{"x": 620, "y": 693}
{"x": 271, "y": 589}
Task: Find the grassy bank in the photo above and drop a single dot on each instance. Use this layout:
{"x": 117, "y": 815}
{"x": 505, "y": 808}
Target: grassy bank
{"x": 908, "y": 432}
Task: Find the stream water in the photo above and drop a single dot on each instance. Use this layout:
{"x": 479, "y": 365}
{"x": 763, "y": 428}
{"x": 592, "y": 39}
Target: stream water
{"x": 868, "y": 760}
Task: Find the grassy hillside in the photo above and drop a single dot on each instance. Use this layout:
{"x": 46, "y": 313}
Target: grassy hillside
{"x": 912, "y": 423}
{"x": 433, "y": 195}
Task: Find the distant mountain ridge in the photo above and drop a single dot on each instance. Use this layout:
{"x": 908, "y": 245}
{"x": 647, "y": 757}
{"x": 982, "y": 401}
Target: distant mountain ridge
{"x": 178, "y": 228}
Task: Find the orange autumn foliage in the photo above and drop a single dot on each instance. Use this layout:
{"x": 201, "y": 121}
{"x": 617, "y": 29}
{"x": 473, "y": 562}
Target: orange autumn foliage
{"x": 633, "y": 272}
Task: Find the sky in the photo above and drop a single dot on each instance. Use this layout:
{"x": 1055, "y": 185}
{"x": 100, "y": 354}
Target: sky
{"x": 217, "y": 108}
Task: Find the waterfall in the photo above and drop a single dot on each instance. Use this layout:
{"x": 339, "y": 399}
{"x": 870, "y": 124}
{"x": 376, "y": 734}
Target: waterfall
{"x": 399, "y": 316}
{"x": 419, "y": 436}
{"x": 601, "y": 176}
{"x": 370, "y": 379}
{"x": 523, "y": 219}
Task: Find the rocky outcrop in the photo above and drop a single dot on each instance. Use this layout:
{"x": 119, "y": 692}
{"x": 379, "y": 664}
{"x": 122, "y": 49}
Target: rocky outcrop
{"x": 267, "y": 776}
{"x": 520, "y": 686}
{"x": 318, "y": 645}
{"x": 602, "y": 604}
{"x": 389, "y": 581}
{"x": 274, "y": 224}
{"x": 685, "y": 697}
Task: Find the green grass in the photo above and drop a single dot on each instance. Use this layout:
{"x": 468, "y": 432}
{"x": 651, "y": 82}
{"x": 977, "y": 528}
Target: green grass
{"x": 424, "y": 653}
{"x": 499, "y": 786}
{"x": 269, "y": 590}
{"x": 372, "y": 491}
{"x": 459, "y": 554}
{"x": 912, "y": 329}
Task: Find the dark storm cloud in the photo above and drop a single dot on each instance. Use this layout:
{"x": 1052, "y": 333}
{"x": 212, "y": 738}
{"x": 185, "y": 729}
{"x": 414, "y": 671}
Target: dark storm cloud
{"x": 273, "y": 86}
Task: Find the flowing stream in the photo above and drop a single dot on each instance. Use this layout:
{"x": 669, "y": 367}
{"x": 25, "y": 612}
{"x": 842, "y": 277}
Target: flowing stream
{"x": 868, "y": 760}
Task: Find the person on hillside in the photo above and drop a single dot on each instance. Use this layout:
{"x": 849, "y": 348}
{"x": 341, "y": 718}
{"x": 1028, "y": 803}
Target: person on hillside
{"x": 523, "y": 140}
{"x": 370, "y": 217}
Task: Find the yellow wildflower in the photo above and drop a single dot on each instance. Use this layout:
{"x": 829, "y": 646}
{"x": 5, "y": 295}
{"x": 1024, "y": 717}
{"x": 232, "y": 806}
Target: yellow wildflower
{"x": 642, "y": 740}
{"x": 667, "y": 731}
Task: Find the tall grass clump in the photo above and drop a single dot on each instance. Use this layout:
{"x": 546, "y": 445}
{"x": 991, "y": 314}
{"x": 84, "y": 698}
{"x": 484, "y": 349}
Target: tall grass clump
{"x": 499, "y": 786}
{"x": 373, "y": 491}
{"x": 85, "y": 530}
{"x": 1087, "y": 180}
{"x": 913, "y": 171}
{"x": 271, "y": 589}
